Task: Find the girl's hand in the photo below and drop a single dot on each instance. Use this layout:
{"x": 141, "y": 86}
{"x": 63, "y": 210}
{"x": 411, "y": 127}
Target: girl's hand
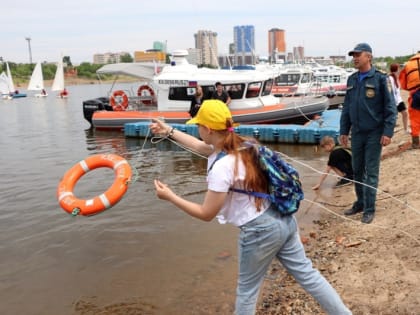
{"x": 159, "y": 127}
{"x": 162, "y": 190}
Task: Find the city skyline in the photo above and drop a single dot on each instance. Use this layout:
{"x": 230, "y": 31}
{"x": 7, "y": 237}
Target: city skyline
{"x": 82, "y": 29}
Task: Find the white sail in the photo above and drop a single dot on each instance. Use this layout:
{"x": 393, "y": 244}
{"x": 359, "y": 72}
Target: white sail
{"x": 58, "y": 83}
{"x": 4, "y": 83}
{"x": 37, "y": 80}
{"x": 9, "y": 75}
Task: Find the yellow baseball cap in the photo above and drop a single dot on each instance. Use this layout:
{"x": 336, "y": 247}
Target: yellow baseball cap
{"x": 212, "y": 114}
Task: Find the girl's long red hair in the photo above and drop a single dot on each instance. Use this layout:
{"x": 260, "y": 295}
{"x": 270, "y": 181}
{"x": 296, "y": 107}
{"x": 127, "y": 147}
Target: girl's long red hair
{"x": 255, "y": 179}
{"x": 394, "y": 69}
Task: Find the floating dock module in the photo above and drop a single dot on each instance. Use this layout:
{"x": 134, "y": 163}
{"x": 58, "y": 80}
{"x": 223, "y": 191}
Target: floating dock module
{"x": 311, "y": 133}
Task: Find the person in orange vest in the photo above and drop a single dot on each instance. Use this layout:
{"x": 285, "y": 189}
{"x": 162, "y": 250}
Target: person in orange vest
{"x": 410, "y": 80}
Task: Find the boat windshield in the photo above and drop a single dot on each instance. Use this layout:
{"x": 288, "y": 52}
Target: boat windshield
{"x": 235, "y": 90}
{"x": 268, "y": 85}
{"x": 287, "y": 79}
{"x": 186, "y": 93}
{"x": 329, "y": 78}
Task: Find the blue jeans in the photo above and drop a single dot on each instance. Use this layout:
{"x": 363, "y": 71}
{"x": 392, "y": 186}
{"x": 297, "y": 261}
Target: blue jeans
{"x": 268, "y": 236}
{"x": 366, "y": 155}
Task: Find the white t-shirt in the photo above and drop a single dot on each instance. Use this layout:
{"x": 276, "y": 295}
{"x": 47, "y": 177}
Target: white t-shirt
{"x": 395, "y": 91}
{"x": 238, "y": 208}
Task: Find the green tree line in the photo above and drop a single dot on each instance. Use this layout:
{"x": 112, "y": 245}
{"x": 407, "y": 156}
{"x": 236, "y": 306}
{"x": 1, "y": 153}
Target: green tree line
{"x": 22, "y": 72}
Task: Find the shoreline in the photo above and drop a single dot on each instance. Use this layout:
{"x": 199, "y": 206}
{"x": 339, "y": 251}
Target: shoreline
{"x": 77, "y": 81}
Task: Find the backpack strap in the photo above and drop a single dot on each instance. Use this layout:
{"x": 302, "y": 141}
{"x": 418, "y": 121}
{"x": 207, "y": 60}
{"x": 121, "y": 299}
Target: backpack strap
{"x": 218, "y": 157}
{"x": 252, "y": 193}
{"x": 242, "y": 191}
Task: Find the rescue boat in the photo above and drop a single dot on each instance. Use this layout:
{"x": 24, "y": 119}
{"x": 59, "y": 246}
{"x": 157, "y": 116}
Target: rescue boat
{"x": 168, "y": 91}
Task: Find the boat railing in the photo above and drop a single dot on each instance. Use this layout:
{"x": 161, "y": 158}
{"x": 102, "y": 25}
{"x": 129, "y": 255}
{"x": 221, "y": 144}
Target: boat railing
{"x": 142, "y": 102}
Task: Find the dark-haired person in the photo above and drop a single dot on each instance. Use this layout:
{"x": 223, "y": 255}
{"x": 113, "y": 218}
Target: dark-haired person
{"x": 370, "y": 113}
{"x": 264, "y": 233}
{"x": 196, "y": 101}
{"x": 221, "y": 94}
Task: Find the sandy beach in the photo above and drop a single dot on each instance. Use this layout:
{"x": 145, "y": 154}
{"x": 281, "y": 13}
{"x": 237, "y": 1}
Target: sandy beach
{"x": 374, "y": 267}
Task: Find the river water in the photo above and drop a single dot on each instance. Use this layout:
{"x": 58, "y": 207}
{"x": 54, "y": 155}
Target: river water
{"x": 142, "y": 255}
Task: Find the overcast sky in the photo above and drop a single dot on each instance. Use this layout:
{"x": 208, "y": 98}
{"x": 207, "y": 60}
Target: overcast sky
{"x": 80, "y": 29}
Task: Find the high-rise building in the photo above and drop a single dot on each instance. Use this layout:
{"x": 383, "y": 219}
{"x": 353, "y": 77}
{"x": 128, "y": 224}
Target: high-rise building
{"x": 276, "y": 44}
{"x": 194, "y": 56}
{"x": 161, "y": 46}
{"x": 299, "y": 53}
{"x": 206, "y": 41}
{"x": 244, "y": 40}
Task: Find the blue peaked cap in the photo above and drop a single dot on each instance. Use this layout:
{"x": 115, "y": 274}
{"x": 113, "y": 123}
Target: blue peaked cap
{"x": 359, "y": 48}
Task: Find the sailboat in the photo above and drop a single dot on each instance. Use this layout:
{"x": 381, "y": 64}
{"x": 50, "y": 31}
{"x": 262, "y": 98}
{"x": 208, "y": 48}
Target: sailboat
{"x": 58, "y": 83}
{"x": 4, "y": 85}
{"x": 37, "y": 81}
{"x": 13, "y": 93}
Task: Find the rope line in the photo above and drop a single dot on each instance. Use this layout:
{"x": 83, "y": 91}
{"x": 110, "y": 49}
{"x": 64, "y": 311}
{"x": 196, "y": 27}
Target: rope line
{"x": 405, "y": 203}
{"x": 157, "y": 139}
{"x": 359, "y": 223}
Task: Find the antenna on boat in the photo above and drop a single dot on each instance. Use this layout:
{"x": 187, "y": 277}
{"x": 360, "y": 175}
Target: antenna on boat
{"x": 212, "y": 52}
{"x": 228, "y": 61}
{"x": 252, "y": 52}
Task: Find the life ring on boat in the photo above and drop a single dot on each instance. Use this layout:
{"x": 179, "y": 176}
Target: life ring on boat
{"x": 119, "y": 100}
{"x": 109, "y": 198}
{"x": 146, "y": 90}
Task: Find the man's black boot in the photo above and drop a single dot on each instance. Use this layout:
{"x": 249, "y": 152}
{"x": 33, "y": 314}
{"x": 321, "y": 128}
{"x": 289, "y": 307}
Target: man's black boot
{"x": 352, "y": 211}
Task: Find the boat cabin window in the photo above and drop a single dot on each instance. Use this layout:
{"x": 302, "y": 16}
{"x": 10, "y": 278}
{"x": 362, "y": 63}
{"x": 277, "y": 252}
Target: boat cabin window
{"x": 322, "y": 78}
{"x": 253, "y": 90}
{"x": 267, "y": 87}
{"x": 287, "y": 79}
{"x": 186, "y": 93}
{"x": 335, "y": 79}
{"x": 235, "y": 91}
{"x": 306, "y": 78}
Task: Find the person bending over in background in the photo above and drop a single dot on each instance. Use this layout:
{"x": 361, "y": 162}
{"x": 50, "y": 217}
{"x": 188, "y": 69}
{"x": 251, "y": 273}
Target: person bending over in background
{"x": 339, "y": 161}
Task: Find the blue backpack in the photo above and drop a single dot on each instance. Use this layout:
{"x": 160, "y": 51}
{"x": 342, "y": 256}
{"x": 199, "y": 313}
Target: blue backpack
{"x": 284, "y": 187}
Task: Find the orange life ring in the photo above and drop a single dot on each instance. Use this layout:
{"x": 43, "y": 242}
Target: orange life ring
{"x": 109, "y": 198}
{"x": 140, "y": 92}
{"x": 119, "y": 100}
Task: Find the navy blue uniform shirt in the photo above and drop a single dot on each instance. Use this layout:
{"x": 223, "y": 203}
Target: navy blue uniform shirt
{"x": 369, "y": 104}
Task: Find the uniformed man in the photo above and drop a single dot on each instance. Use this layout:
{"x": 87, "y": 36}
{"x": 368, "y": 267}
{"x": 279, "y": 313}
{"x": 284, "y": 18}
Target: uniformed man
{"x": 369, "y": 113}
